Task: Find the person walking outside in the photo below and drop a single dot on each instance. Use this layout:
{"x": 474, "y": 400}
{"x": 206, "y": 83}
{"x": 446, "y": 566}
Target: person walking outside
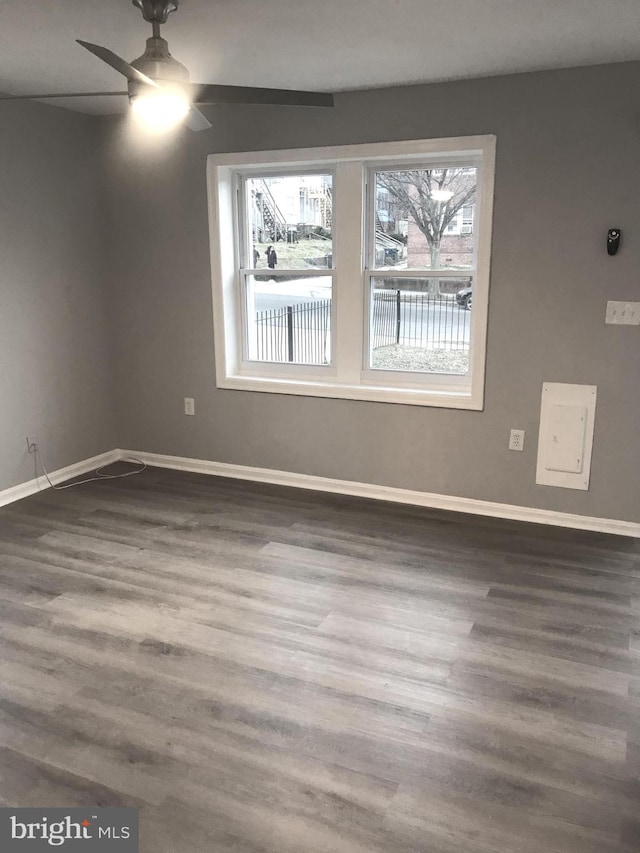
{"x": 272, "y": 258}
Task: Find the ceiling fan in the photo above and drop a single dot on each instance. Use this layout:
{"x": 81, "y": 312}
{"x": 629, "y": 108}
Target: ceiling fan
{"x": 159, "y": 88}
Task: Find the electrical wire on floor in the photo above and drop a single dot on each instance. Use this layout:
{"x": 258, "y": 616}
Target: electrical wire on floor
{"x": 98, "y": 476}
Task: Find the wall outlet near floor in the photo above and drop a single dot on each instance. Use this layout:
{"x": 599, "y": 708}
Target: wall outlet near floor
{"x": 189, "y": 406}
{"x": 32, "y": 444}
{"x": 516, "y": 439}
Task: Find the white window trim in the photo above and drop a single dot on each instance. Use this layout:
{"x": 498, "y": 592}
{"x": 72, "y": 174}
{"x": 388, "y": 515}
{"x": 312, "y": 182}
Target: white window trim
{"x": 347, "y": 378}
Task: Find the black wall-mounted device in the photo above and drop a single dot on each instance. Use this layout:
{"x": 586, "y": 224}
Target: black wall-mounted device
{"x": 613, "y": 240}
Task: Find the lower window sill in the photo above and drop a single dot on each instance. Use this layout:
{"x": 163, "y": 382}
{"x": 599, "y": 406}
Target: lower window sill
{"x": 446, "y": 398}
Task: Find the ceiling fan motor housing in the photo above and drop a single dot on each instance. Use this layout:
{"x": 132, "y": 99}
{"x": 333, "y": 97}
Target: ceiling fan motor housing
{"x": 156, "y": 11}
{"x": 156, "y": 62}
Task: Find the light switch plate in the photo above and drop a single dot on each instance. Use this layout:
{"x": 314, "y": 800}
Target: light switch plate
{"x": 623, "y": 313}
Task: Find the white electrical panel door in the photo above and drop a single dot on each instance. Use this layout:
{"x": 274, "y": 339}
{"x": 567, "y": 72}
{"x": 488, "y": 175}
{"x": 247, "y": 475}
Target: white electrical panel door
{"x": 567, "y": 418}
{"x": 565, "y": 437}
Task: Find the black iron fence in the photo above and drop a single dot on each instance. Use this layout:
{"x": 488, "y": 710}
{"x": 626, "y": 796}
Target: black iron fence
{"x": 418, "y": 320}
{"x": 302, "y": 333}
{"x": 299, "y": 333}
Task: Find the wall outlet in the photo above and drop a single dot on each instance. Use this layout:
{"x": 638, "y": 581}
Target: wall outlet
{"x": 32, "y": 444}
{"x": 516, "y": 439}
{"x": 189, "y": 406}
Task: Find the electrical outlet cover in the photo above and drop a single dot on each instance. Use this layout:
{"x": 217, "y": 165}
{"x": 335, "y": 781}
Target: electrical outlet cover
{"x": 516, "y": 439}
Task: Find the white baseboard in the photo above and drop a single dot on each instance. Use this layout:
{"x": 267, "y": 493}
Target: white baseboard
{"x": 39, "y": 484}
{"x": 327, "y": 484}
{"x": 389, "y": 493}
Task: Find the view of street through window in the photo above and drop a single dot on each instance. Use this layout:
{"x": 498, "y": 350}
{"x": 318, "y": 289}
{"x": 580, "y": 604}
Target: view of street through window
{"x": 422, "y": 257}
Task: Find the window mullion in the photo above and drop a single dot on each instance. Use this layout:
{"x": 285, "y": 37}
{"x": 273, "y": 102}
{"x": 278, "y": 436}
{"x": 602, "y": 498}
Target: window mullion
{"x": 349, "y": 249}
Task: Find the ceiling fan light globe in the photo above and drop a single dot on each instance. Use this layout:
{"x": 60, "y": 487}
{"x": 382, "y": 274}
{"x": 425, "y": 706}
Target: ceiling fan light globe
{"x": 160, "y": 112}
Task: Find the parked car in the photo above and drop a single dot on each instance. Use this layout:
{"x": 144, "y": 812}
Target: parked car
{"x": 463, "y": 298}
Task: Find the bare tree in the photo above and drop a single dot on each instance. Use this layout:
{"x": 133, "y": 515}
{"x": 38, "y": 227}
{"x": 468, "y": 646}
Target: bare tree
{"x": 433, "y": 198}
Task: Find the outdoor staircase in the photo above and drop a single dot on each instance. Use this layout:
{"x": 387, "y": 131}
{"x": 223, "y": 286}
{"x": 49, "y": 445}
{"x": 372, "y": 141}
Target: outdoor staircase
{"x": 274, "y": 224}
{"x": 326, "y": 208}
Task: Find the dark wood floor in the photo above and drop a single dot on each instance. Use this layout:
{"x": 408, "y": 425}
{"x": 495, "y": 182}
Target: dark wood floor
{"x": 264, "y": 669}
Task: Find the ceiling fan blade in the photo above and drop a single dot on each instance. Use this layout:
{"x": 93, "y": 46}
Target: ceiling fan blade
{"x": 213, "y": 94}
{"x": 195, "y": 120}
{"x": 132, "y": 74}
{"x": 60, "y": 95}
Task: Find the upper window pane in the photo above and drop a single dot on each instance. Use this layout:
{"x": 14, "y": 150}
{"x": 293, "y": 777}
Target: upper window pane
{"x": 290, "y": 221}
{"x": 424, "y": 218}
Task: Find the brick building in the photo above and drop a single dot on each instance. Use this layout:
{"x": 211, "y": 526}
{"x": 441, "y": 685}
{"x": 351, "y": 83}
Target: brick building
{"x": 456, "y": 246}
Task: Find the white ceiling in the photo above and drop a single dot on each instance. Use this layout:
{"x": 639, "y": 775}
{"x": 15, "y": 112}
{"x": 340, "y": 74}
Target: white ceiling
{"x": 325, "y": 45}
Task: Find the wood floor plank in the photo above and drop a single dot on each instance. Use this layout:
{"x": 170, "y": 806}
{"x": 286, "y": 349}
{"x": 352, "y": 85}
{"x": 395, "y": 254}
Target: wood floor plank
{"x": 270, "y": 670}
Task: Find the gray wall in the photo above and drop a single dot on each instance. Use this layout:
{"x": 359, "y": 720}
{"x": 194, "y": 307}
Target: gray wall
{"x": 55, "y": 363}
{"x": 568, "y": 168}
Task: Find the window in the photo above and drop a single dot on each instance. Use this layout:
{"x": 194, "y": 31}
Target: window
{"x": 285, "y": 223}
{"x": 349, "y": 271}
